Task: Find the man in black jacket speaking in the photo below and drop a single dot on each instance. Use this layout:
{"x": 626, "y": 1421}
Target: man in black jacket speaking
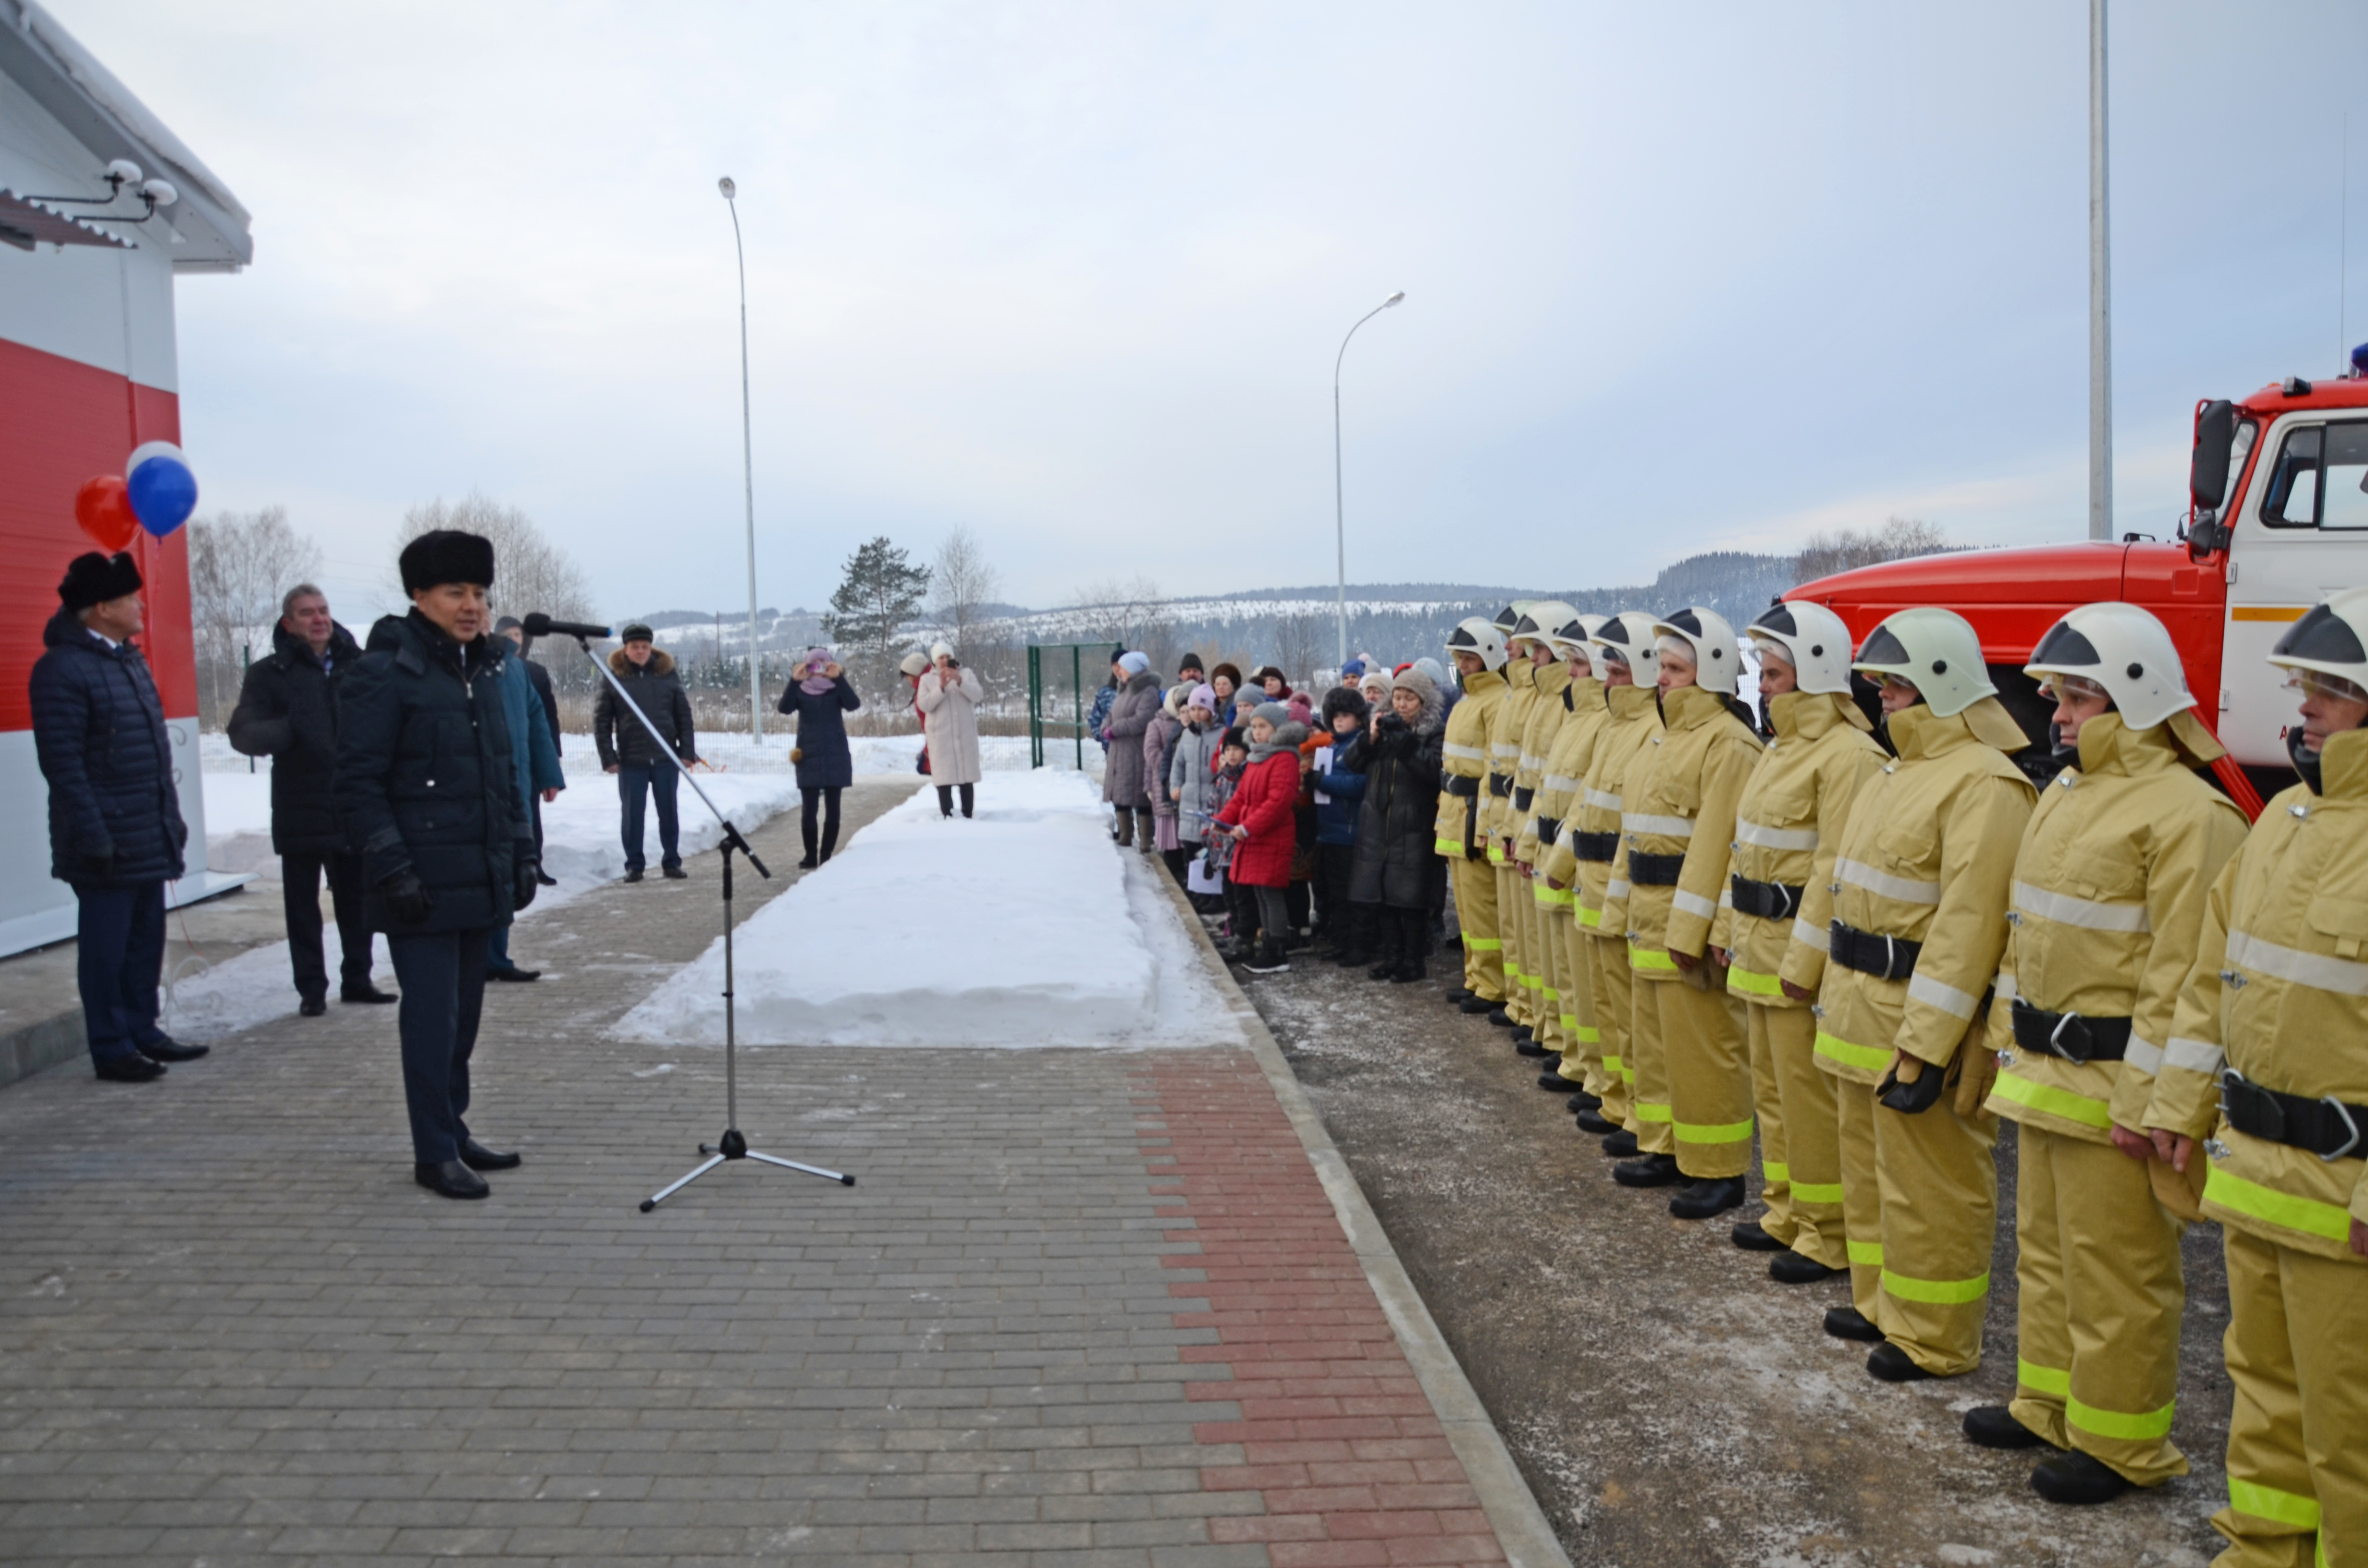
{"x": 288, "y": 711}
{"x": 428, "y": 792}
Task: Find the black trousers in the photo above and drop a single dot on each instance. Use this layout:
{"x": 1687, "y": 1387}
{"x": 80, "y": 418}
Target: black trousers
{"x": 1404, "y": 936}
{"x": 1178, "y": 863}
{"x": 299, "y": 887}
{"x": 637, "y": 783}
{"x": 826, "y": 797}
{"x": 443, "y": 976}
{"x": 946, "y": 797}
{"x": 1333, "y": 864}
{"x": 118, "y": 957}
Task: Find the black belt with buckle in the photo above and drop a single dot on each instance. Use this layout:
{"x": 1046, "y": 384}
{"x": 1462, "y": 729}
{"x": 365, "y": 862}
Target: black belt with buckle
{"x": 1457, "y": 784}
{"x": 1596, "y": 846}
{"x": 2327, "y": 1128}
{"x": 1767, "y": 901}
{"x": 1655, "y": 870}
{"x": 1886, "y": 958}
{"x": 1549, "y": 829}
{"x": 2070, "y": 1034}
{"x": 1501, "y": 785}
{"x": 1521, "y": 798}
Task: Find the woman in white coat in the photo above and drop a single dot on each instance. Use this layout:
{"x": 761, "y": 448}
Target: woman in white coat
{"x": 949, "y": 697}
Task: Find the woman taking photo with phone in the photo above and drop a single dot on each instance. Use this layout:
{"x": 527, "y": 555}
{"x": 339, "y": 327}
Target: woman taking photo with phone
{"x": 821, "y": 697}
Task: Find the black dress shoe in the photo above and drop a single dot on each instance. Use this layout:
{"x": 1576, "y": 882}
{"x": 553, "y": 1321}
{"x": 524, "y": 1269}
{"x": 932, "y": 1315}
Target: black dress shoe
{"x": 1894, "y": 1365}
{"x": 1501, "y": 1019}
{"x": 132, "y": 1069}
{"x": 1797, "y": 1268}
{"x": 1751, "y": 1238}
{"x": 1849, "y": 1323}
{"x": 313, "y": 1006}
{"x": 1533, "y": 1051}
{"x": 1621, "y": 1143}
{"x": 1475, "y": 1005}
{"x": 2077, "y": 1479}
{"x": 1596, "y": 1123}
{"x": 450, "y": 1179}
{"x": 633, "y": 876}
{"x": 1555, "y": 1084}
{"x": 370, "y": 994}
{"x": 1705, "y": 1198}
{"x": 1994, "y": 1426}
{"x": 1651, "y": 1170}
{"x": 477, "y": 1157}
{"x": 675, "y": 874}
{"x": 165, "y": 1049}
{"x": 511, "y": 972}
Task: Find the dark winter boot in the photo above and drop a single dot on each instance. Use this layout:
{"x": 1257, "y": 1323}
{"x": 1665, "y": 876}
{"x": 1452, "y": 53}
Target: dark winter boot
{"x": 1621, "y": 1143}
{"x": 1385, "y": 970}
{"x": 1594, "y": 1123}
{"x": 2082, "y": 1479}
{"x": 1894, "y": 1365}
{"x": 1409, "y": 971}
{"x": 807, "y": 832}
{"x": 1994, "y": 1426}
{"x": 1650, "y": 1170}
{"x": 1270, "y": 959}
{"x": 1553, "y": 1083}
{"x": 1798, "y": 1269}
{"x": 1751, "y": 1238}
{"x": 1849, "y": 1323}
{"x": 1705, "y": 1198}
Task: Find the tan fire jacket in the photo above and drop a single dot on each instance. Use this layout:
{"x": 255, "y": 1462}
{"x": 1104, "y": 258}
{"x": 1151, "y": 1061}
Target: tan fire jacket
{"x": 1787, "y": 828}
{"x": 1686, "y": 783}
{"x": 1633, "y": 720}
{"x": 1504, "y": 726}
{"x": 1546, "y": 715}
{"x": 1926, "y": 855}
{"x": 2279, "y": 987}
{"x": 1464, "y": 754}
{"x": 1560, "y": 798}
{"x": 2109, "y": 892}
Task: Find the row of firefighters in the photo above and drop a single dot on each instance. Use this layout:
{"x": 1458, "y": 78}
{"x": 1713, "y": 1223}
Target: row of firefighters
{"x": 1871, "y": 951}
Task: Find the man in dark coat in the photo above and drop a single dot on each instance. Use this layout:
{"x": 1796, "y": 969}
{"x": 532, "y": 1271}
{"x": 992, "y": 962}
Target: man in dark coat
{"x": 116, "y": 834}
{"x": 428, "y": 792}
{"x": 628, "y": 751}
{"x": 537, "y": 676}
{"x": 288, "y": 711}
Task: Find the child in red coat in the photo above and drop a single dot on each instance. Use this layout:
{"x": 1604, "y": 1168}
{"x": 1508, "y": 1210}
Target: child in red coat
{"x": 1262, "y": 819}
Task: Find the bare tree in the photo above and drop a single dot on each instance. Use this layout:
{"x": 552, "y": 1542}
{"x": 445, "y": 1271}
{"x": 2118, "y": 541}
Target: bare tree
{"x": 966, "y": 583}
{"x": 239, "y": 566}
{"x": 1296, "y": 639}
{"x": 1132, "y": 612}
{"x": 1840, "y": 550}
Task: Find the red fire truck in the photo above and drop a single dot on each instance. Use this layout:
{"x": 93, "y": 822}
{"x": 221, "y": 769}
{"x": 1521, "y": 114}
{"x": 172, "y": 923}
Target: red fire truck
{"x": 2278, "y": 521}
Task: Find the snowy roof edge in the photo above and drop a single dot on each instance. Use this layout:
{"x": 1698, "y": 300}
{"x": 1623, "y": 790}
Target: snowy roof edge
{"x": 68, "y": 81}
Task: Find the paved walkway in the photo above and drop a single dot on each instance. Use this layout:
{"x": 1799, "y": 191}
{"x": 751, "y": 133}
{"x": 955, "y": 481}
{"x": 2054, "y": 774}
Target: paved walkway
{"x": 1093, "y": 1307}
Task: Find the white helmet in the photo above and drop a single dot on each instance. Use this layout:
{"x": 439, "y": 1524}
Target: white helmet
{"x": 1576, "y": 634}
{"x": 1936, "y": 651}
{"x": 1717, "y": 664}
{"x": 1810, "y": 638}
{"x": 2333, "y": 640}
{"x": 2123, "y": 649}
{"x": 1629, "y": 636}
{"x": 1473, "y": 634}
{"x": 1539, "y": 620}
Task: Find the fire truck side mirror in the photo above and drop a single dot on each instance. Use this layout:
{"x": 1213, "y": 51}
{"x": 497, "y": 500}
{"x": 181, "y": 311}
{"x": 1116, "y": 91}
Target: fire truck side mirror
{"x": 2207, "y": 474}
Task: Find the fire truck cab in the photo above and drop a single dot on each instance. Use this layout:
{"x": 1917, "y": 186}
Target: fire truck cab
{"x": 2278, "y": 521}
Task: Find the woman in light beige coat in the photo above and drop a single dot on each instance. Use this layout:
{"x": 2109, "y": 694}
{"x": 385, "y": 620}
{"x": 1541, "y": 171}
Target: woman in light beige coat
{"x": 949, "y": 697}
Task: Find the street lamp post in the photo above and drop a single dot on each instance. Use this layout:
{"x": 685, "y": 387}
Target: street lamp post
{"x": 1339, "y": 510}
{"x": 748, "y": 469}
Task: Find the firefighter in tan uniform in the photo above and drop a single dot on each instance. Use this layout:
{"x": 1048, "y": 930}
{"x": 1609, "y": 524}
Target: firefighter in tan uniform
{"x": 1560, "y": 802}
{"x": 1504, "y": 726}
{"x": 1677, "y": 817}
{"x": 1460, "y": 833}
{"x": 1630, "y": 673}
{"x": 1787, "y": 832}
{"x": 1914, "y": 924}
{"x": 2109, "y": 891}
{"x": 1541, "y": 1033}
{"x": 2279, "y": 989}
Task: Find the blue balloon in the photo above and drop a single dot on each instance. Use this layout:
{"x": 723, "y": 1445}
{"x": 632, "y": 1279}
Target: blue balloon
{"x": 162, "y": 490}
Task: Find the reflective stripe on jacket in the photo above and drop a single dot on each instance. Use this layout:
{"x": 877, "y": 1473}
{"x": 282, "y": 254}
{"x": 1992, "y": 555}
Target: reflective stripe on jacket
{"x": 1926, "y": 856}
{"x": 1788, "y": 829}
{"x": 1561, "y": 787}
{"x": 1629, "y": 727}
{"x": 1545, "y": 722}
{"x": 2280, "y": 986}
{"x": 2108, "y": 901}
{"x": 1685, "y": 785}
{"x": 1465, "y": 755}
{"x": 1504, "y": 726}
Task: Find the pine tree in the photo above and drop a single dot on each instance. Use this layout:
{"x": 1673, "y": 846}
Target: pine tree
{"x": 882, "y": 593}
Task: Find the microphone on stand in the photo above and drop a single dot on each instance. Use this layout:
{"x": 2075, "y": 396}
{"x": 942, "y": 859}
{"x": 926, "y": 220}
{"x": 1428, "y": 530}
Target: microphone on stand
{"x": 540, "y": 625}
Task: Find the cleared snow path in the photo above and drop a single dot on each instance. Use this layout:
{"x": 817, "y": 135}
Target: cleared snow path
{"x": 1027, "y": 926}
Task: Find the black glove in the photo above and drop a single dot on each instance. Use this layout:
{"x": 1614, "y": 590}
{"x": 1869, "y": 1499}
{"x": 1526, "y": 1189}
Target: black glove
{"x": 406, "y": 897}
{"x": 1910, "y": 1100}
{"x": 524, "y": 886}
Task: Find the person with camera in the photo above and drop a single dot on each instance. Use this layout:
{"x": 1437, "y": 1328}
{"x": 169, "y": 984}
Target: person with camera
{"x": 628, "y": 750}
{"x": 820, "y": 697}
{"x": 949, "y": 697}
{"x": 428, "y": 793}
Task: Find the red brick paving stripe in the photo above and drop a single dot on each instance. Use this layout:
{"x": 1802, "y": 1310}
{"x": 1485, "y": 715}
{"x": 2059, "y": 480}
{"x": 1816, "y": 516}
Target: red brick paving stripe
{"x": 1339, "y": 1440}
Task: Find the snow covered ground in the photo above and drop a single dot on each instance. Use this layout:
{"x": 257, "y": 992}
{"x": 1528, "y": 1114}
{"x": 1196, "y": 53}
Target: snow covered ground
{"x": 1027, "y": 926}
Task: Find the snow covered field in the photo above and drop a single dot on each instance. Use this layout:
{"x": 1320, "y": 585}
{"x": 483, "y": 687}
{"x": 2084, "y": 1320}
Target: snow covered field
{"x": 1026, "y": 927}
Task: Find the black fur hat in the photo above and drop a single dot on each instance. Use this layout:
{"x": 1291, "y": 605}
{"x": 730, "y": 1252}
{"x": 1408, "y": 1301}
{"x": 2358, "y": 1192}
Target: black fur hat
{"x": 93, "y": 579}
{"x": 1344, "y": 699}
{"x": 447, "y": 555}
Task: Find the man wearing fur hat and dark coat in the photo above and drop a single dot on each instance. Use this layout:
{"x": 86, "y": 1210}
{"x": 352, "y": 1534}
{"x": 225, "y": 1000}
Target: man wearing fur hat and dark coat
{"x": 428, "y": 792}
{"x": 116, "y": 833}
{"x": 626, "y": 749}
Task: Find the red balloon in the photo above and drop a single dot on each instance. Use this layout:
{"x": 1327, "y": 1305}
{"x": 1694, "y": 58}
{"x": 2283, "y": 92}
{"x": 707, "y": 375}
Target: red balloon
{"x": 103, "y": 508}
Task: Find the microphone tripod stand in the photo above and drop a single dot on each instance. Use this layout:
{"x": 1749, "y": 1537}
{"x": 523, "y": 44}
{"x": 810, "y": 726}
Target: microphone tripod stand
{"x": 733, "y": 1146}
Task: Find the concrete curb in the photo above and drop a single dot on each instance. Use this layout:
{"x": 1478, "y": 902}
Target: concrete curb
{"x": 1513, "y": 1512}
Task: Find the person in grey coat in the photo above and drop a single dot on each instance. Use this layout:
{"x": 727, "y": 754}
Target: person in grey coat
{"x": 1191, "y": 775}
{"x": 1122, "y": 780}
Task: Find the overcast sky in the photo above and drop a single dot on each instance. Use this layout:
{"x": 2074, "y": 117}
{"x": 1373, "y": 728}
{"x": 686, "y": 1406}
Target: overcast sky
{"x": 1073, "y": 275}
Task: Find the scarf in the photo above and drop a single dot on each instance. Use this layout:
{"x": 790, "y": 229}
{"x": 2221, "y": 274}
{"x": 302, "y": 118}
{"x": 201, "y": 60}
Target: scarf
{"x": 815, "y": 683}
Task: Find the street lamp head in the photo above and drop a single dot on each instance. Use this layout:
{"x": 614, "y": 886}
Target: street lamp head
{"x": 1394, "y": 299}
{"x": 727, "y": 187}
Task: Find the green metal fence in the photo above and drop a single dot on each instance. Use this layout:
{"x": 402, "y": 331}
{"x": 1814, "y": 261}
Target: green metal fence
{"x": 1056, "y": 681}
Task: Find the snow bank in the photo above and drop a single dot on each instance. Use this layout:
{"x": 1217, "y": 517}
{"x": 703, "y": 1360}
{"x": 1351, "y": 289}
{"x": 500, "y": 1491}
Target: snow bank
{"x": 1028, "y": 926}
